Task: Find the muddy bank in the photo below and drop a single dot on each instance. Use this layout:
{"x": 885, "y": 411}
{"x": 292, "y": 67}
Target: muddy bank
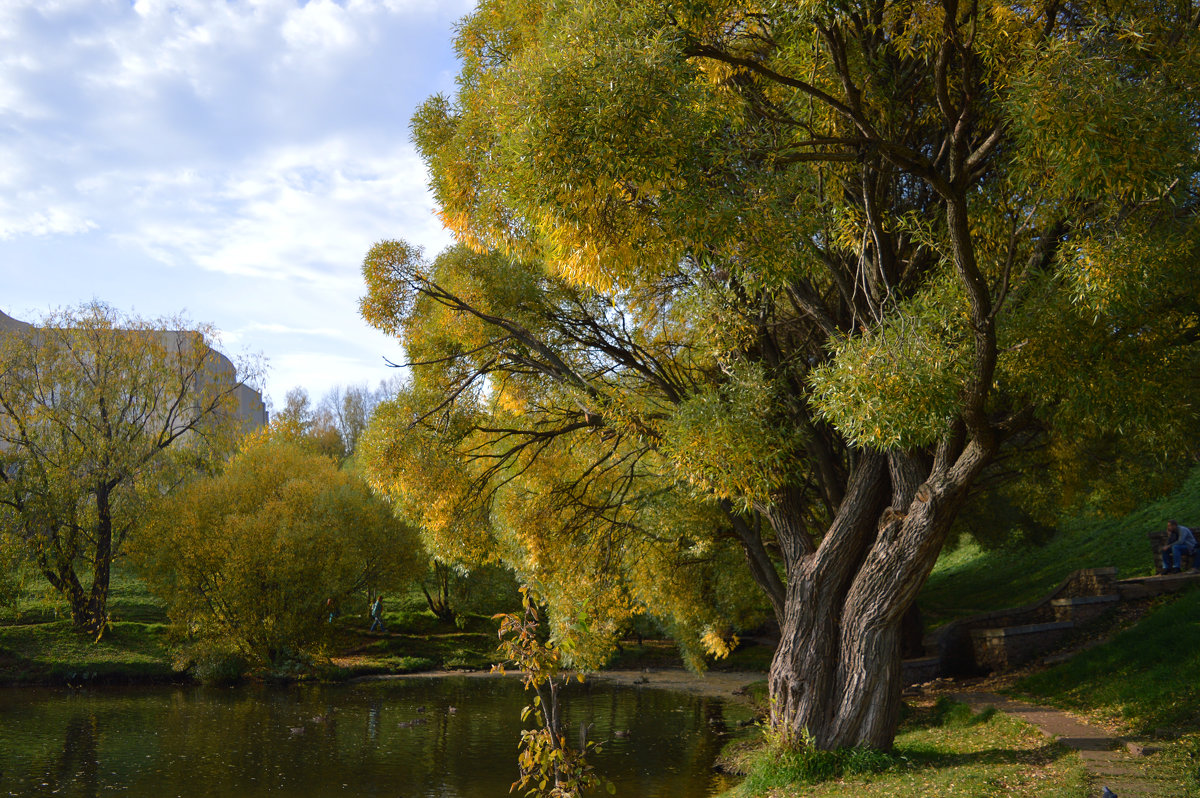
{"x": 715, "y": 684}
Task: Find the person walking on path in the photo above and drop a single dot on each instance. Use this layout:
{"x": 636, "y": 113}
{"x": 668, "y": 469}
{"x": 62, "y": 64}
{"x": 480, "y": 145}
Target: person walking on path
{"x": 1180, "y": 540}
{"x": 377, "y": 615}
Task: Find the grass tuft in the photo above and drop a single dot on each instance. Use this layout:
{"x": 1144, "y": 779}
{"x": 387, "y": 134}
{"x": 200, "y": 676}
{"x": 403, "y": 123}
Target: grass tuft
{"x": 777, "y": 766}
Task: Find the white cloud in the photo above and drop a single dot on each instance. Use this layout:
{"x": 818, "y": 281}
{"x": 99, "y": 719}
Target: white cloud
{"x": 238, "y": 157}
{"x": 29, "y": 216}
{"x": 321, "y": 25}
{"x": 301, "y": 213}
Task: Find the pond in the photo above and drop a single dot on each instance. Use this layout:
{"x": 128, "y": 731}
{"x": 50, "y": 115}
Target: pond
{"x": 453, "y": 737}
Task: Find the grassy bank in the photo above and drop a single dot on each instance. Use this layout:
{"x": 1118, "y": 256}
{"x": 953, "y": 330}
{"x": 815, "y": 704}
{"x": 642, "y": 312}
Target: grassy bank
{"x": 1144, "y": 684}
{"x": 969, "y": 580}
{"x": 942, "y": 750}
{"x": 39, "y": 646}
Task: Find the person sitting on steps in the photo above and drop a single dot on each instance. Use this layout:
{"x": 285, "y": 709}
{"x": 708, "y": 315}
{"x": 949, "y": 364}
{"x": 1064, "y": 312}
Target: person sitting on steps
{"x": 1179, "y": 540}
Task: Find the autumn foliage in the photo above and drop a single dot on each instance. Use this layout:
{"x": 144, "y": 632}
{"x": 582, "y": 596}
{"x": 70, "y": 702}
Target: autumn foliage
{"x": 775, "y": 292}
{"x": 247, "y": 559}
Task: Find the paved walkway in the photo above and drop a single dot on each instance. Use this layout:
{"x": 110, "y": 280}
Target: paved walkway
{"x": 1104, "y": 755}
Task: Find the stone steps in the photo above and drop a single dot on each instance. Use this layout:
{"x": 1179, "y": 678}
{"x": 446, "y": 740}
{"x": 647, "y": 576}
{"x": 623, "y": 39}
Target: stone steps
{"x": 1005, "y": 639}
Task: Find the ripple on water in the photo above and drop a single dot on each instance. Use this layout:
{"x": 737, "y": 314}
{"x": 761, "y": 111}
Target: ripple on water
{"x": 387, "y": 738}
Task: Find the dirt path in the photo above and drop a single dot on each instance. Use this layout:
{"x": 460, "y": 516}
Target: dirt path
{"x": 715, "y": 684}
{"x": 1106, "y": 756}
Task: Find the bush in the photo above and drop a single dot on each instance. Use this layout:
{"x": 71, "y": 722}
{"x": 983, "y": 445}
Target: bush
{"x": 219, "y": 668}
{"x": 247, "y": 559}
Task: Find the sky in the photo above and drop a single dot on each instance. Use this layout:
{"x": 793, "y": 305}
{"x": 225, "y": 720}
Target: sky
{"x": 231, "y": 160}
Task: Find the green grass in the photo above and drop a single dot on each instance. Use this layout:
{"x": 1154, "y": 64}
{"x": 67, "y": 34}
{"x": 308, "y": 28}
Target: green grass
{"x": 38, "y": 644}
{"x": 968, "y": 580}
{"x": 1143, "y": 678}
{"x": 54, "y": 652}
{"x": 1145, "y": 682}
{"x": 451, "y": 650}
{"x": 942, "y": 750}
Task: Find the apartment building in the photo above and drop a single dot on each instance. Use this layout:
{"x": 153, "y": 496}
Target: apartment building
{"x": 250, "y": 407}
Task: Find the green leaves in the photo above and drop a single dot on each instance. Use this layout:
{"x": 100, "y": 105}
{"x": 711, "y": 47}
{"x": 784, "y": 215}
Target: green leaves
{"x": 550, "y": 767}
{"x": 899, "y": 384}
{"x": 729, "y": 440}
{"x": 247, "y": 559}
{"x": 1105, "y": 117}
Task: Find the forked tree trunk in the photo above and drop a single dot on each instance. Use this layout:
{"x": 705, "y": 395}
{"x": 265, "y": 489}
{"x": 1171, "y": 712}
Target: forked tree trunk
{"x": 835, "y": 678}
{"x": 95, "y": 621}
{"x": 67, "y": 583}
{"x": 439, "y": 601}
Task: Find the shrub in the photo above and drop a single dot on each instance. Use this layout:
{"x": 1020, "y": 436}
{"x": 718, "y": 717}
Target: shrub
{"x": 246, "y": 559}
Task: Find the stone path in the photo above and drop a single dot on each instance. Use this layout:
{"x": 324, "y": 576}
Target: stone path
{"x": 1104, "y": 755}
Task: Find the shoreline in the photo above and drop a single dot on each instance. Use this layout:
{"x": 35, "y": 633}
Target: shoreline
{"x": 728, "y": 685}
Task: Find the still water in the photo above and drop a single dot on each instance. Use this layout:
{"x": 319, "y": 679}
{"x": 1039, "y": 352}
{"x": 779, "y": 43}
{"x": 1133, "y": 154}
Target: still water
{"x": 396, "y": 738}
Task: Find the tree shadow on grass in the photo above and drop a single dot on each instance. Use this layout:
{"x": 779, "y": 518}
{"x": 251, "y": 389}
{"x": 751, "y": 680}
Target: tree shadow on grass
{"x": 949, "y": 714}
{"x": 922, "y": 758}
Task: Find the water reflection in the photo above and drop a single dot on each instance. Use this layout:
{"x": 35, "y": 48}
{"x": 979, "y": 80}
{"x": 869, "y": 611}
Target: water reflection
{"x": 434, "y": 738}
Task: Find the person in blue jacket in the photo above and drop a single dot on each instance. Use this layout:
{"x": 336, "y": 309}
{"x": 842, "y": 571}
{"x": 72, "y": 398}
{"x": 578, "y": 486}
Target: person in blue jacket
{"x": 377, "y": 613}
{"x": 1180, "y": 540}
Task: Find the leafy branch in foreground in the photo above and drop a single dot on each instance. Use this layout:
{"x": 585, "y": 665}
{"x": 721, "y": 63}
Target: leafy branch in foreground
{"x": 550, "y": 766}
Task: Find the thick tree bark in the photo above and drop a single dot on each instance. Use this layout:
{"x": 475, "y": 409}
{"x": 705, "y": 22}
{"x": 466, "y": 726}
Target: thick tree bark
{"x": 835, "y": 677}
{"x": 67, "y": 584}
{"x": 804, "y": 670}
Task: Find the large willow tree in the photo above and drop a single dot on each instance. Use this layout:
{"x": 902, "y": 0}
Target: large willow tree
{"x": 802, "y": 277}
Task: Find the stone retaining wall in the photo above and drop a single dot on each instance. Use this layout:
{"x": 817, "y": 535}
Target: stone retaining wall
{"x": 1002, "y": 649}
{"x": 956, "y": 649}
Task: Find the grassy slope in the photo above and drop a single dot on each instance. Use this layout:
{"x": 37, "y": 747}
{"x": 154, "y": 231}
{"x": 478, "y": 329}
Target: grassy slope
{"x": 1144, "y": 682}
{"x": 968, "y": 580}
{"x": 37, "y": 643}
{"x": 942, "y": 750}
{"x": 1144, "y": 678}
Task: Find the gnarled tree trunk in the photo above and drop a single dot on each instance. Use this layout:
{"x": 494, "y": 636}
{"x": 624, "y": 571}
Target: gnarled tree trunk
{"x": 835, "y": 678}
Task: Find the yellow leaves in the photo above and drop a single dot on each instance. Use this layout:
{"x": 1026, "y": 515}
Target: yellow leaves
{"x": 898, "y": 384}
{"x": 1106, "y": 273}
{"x": 428, "y": 482}
{"x": 249, "y": 557}
{"x": 389, "y": 268}
{"x": 726, "y": 442}
{"x": 719, "y": 645}
{"x": 95, "y": 402}
{"x": 1097, "y": 121}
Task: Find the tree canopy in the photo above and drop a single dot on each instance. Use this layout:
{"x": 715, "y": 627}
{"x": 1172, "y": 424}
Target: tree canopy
{"x": 100, "y": 414}
{"x": 246, "y": 559}
{"x": 803, "y": 279}
{"x": 334, "y": 425}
